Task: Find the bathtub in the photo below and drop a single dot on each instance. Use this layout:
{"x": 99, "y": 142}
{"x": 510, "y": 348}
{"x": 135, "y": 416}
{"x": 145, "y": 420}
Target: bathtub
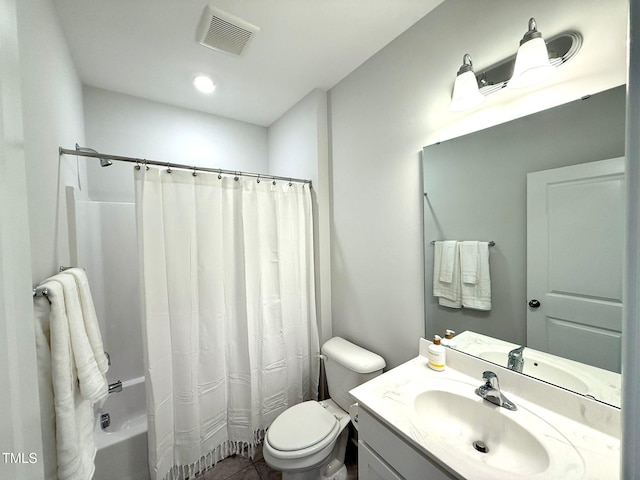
{"x": 122, "y": 446}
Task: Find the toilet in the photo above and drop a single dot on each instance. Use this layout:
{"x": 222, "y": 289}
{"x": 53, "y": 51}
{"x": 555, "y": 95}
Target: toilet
{"x": 308, "y": 440}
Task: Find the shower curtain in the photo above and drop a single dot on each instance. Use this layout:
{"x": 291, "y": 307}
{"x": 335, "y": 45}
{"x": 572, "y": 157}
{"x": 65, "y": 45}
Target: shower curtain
{"x": 229, "y": 322}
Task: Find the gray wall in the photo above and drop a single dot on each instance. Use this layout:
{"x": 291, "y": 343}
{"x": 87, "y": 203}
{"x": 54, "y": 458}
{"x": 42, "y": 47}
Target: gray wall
{"x": 52, "y": 117}
{"x": 476, "y": 190}
{"x": 134, "y": 127}
{"x": 298, "y": 147}
{"x": 41, "y": 104}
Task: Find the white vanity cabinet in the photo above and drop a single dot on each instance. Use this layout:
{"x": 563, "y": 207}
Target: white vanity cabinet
{"x": 383, "y": 455}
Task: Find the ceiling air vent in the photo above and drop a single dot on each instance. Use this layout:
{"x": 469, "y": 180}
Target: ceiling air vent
{"x": 222, "y": 31}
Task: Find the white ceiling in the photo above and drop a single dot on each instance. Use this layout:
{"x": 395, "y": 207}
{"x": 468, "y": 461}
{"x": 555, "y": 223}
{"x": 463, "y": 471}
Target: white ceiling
{"x": 148, "y": 49}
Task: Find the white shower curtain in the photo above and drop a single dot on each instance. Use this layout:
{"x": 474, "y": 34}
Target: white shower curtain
{"x": 230, "y": 331}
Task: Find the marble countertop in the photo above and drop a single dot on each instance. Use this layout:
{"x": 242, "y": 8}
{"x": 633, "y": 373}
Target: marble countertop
{"x": 581, "y": 434}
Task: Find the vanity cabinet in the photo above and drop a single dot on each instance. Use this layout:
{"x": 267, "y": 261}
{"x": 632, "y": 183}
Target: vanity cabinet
{"x": 383, "y": 455}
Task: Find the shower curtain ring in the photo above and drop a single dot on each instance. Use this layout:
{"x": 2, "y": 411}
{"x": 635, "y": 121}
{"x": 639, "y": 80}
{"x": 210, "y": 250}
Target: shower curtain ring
{"x": 219, "y": 173}
{"x": 146, "y": 167}
{"x": 137, "y": 167}
{"x": 274, "y": 180}
{"x": 195, "y": 174}
{"x": 258, "y": 178}
{"x": 236, "y": 177}
{"x": 168, "y": 168}
{"x": 290, "y": 182}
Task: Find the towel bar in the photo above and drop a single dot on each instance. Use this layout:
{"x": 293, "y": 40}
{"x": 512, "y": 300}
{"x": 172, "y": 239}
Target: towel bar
{"x": 491, "y": 243}
{"x": 40, "y": 292}
{"x": 44, "y": 292}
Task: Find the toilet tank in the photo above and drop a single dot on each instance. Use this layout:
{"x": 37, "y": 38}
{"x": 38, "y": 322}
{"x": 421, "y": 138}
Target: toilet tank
{"x": 347, "y": 365}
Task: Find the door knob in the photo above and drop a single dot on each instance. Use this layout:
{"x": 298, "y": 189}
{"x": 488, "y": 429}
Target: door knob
{"x": 534, "y": 303}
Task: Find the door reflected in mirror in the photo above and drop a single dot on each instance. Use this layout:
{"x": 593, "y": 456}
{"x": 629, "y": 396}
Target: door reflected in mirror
{"x": 475, "y": 188}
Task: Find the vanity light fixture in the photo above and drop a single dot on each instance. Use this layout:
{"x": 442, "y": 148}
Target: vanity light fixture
{"x": 535, "y": 61}
{"x": 204, "y": 84}
{"x": 466, "y": 93}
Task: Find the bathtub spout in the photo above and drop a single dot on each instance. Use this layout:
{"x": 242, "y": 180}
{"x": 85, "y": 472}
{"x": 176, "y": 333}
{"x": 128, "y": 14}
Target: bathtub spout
{"x": 115, "y": 387}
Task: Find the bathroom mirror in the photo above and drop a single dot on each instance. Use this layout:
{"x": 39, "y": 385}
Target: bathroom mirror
{"x": 475, "y": 188}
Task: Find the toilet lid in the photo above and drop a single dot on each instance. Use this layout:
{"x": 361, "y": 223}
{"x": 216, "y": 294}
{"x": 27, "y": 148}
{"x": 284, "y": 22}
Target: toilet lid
{"x": 301, "y": 426}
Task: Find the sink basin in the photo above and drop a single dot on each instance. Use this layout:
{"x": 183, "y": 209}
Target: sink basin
{"x": 512, "y": 443}
{"x": 541, "y": 369}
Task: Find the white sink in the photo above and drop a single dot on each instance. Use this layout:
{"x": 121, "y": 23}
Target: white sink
{"x": 516, "y": 443}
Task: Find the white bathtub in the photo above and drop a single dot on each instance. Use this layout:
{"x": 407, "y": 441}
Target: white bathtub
{"x": 122, "y": 447}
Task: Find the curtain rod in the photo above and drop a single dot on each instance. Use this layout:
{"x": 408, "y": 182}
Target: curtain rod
{"x": 89, "y": 152}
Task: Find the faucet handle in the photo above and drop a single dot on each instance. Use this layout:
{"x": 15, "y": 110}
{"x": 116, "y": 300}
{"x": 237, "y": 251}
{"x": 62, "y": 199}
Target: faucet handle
{"x": 488, "y": 375}
{"x": 490, "y": 378}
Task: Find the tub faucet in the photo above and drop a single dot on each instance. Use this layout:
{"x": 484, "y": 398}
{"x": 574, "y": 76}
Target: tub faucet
{"x": 490, "y": 391}
{"x": 516, "y": 359}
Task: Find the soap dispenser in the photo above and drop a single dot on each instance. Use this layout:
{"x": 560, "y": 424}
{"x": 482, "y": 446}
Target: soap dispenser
{"x": 436, "y": 354}
{"x": 448, "y": 340}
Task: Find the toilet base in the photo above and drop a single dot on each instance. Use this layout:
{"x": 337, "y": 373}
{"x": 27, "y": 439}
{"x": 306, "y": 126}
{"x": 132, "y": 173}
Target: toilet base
{"x": 332, "y": 468}
{"x": 336, "y": 470}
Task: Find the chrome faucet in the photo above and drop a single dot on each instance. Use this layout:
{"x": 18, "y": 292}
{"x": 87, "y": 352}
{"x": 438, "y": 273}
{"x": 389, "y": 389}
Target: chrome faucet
{"x": 516, "y": 359}
{"x": 490, "y": 391}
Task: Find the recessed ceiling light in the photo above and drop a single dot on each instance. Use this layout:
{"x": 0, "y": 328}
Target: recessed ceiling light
{"x": 204, "y": 83}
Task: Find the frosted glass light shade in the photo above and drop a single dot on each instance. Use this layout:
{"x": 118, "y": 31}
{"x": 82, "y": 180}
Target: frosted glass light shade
{"x": 532, "y": 64}
{"x": 466, "y": 94}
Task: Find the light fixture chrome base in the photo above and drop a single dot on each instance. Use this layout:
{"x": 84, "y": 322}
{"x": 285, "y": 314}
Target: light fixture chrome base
{"x": 562, "y": 48}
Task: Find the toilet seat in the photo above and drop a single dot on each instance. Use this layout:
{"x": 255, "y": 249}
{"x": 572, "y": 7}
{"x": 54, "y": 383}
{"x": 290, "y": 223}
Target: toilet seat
{"x": 302, "y": 430}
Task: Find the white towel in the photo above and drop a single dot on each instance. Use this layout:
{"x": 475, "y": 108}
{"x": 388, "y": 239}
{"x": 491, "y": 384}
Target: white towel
{"x": 90, "y": 318}
{"x": 478, "y": 296}
{"x": 41, "y": 309}
{"x": 448, "y": 293}
{"x": 93, "y": 384}
{"x": 445, "y": 302}
{"x": 469, "y": 262}
{"x": 74, "y": 418}
{"x": 447, "y": 260}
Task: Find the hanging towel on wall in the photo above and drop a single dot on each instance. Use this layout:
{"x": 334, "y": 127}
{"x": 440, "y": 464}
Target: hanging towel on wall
{"x": 447, "y": 255}
{"x": 42, "y": 308}
{"x": 93, "y": 384}
{"x": 469, "y": 262}
{"x": 90, "y": 318}
{"x": 447, "y": 261}
{"x": 477, "y": 295}
{"x": 59, "y": 331}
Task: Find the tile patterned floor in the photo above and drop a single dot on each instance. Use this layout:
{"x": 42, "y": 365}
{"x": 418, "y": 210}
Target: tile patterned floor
{"x": 238, "y": 467}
